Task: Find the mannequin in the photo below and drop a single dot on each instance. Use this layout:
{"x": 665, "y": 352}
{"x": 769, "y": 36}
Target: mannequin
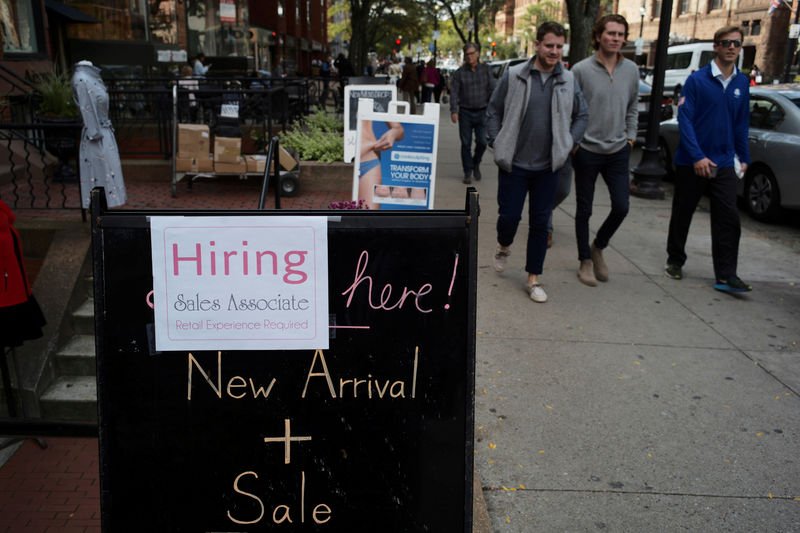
{"x": 99, "y": 158}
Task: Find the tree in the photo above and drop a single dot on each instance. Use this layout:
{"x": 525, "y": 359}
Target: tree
{"x": 482, "y": 12}
{"x": 379, "y": 21}
{"x": 536, "y": 14}
{"x": 582, "y": 16}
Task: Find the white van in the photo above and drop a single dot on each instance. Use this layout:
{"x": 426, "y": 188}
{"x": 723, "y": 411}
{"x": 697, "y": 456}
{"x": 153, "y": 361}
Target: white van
{"x": 682, "y": 60}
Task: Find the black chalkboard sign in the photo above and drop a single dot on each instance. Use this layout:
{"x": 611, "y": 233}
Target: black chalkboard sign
{"x": 373, "y": 434}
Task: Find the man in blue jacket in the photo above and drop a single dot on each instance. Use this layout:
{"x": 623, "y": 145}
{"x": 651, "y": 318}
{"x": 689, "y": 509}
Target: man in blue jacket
{"x": 713, "y": 119}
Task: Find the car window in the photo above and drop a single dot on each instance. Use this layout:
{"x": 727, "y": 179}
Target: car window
{"x": 764, "y": 114}
{"x": 705, "y": 58}
{"x": 678, "y": 61}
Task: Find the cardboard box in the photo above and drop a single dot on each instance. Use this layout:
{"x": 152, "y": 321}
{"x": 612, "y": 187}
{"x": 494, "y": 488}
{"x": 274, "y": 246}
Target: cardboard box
{"x": 227, "y": 149}
{"x": 194, "y": 164}
{"x": 256, "y": 163}
{"x": 239, "y": 167}
{"x": 194, "y": 140}
{"x": 285, "y": 159}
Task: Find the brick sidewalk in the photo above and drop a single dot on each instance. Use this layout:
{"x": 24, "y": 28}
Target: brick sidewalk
{"x": 52, "y": 489}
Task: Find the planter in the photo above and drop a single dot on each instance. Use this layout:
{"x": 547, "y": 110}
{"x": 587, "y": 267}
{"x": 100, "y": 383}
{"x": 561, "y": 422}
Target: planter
{"x": 62, "y": 142}
{"x": 328, "y": 177}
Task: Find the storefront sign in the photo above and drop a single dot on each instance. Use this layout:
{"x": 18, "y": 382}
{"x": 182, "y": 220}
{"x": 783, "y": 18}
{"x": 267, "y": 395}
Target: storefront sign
{"x": 227, "y": 11}
{"x": 240, "y": 283}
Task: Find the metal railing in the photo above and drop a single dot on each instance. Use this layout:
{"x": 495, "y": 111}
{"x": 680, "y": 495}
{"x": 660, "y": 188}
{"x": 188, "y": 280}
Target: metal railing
{"x": 38, "y": 165}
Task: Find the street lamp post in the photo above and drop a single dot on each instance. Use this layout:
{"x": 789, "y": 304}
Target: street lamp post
{"x": 640, "y": 42}
{"x": 435, "y": 31}
{"x": 648, "y": 173}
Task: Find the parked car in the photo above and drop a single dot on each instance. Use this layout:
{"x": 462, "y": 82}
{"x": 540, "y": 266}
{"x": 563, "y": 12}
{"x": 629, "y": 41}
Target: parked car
{"x": 644, "y": 109}
{"x": 499, "y": 67}
{"x": 772, "y": 182}
{"x": 682, "y": 60}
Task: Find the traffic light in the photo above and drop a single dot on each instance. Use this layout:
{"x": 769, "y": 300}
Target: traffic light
{"x": 494, "y": 52}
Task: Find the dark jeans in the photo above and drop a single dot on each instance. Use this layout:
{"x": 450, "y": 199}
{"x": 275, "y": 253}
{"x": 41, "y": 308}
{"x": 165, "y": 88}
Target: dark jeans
{"x": 467, "y": 122}
{"x": 427, "y": 92}
{"x": 725, "y": 225}
{"x": 562, "y": 191}
{"x": 512, "y": 188}
{"x": 614, "y": 168}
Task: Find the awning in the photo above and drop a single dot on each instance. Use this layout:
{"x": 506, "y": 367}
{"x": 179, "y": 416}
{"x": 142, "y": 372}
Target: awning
{"x": 69, "y": 12}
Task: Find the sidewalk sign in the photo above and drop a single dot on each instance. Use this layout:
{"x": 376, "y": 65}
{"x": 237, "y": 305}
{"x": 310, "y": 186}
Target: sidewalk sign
{"x": 381, "y": 95}
{"x": 374, "y": 433}
{"x": 399, "y": 173}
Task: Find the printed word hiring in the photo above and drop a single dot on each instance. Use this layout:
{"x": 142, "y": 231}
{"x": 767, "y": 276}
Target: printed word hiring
{"x": 248, "y": 262}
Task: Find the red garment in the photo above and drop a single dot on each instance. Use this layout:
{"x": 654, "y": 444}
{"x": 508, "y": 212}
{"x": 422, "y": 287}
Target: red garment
{"x": 14, "y": 288}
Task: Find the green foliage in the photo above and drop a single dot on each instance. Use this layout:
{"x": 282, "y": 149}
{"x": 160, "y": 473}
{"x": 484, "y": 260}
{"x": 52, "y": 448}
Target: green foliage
{"x": 56, "y": 93}
{"x": 319, "y": 139}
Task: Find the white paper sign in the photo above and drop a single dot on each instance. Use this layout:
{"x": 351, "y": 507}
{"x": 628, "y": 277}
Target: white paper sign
{"x": 240, "y": 283}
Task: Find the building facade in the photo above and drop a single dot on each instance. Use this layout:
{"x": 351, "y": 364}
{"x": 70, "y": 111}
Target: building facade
{"x": 139, "y": 37}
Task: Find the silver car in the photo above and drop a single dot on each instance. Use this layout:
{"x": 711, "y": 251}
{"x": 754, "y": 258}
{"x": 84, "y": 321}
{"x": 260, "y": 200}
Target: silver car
{"x": 772, "y": 181}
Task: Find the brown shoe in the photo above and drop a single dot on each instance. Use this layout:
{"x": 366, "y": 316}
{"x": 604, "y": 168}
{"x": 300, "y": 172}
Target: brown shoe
{"x": 600, "y": 267}
{"x": 586, "y": 273}
{"x": 549, "y": 239}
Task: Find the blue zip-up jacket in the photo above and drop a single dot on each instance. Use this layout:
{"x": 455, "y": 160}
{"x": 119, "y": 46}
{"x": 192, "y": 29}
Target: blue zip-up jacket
{"x": 713, "y": 122}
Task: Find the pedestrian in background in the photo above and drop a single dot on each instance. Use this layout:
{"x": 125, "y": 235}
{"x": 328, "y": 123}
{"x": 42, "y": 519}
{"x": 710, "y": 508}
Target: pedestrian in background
{"x": 713, "y": 120}
{"x": 610, "y": 84}
{"x": 536, "y": 117}
{"x": 430, "y": 79}
{"x": 470, "y": 89}
{"x": 409, "y": 84}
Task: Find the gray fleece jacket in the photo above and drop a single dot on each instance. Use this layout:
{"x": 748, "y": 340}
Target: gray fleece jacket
{"x": 507, "y": 109}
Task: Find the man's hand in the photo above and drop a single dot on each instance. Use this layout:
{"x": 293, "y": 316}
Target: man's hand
{"x": 703, "y": 167}
{"x": 454, "y": 117}
{"x": 744, "y": 168}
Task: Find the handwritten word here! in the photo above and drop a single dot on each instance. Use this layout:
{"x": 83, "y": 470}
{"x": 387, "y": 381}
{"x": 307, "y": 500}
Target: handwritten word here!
{"x": 240, "y": 283}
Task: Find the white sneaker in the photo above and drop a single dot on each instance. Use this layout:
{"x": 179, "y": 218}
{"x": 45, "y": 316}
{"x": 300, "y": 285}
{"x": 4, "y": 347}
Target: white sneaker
{"x": 501, "y": 259}
{"x": 536, "y": 292}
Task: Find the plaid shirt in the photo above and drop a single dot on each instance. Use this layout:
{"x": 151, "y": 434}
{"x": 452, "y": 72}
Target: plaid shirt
{"x": 471, "y": 89}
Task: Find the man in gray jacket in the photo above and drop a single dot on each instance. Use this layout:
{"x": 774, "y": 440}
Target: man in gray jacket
{"x": 610, "y": 84}
{"x": 536, "y": 117}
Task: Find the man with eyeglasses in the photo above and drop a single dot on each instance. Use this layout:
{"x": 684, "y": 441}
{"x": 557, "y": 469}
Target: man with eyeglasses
{"x": 470, "y": 90}
{"x": 713, "y": 120}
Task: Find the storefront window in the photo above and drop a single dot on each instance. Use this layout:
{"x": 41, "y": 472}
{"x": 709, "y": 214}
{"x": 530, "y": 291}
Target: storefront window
{"x": 218, "y": 27}
{"x": 120, "y": 20}
{"x": 127, "y": 20}
{"x": 18, "y": 27}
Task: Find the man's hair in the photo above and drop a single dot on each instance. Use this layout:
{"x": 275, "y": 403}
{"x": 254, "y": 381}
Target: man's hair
{"x": 726, "y": 30}
{"x": 550, "y": 27}
{"x": 600, "y": 27}
{"x": 201, "y": 55}
{"x": 469, "y": 45}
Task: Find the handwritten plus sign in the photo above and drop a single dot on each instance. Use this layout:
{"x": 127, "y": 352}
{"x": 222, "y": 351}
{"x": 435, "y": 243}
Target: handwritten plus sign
{"x": 286, "y": 439}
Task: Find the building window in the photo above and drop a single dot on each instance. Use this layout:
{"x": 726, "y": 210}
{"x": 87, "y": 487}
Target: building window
{"x": 308, "y": 14}
{"x": 127, "y": 20}
{"x": 163, "y": 22}
{"x": 297, "y": 11}
{"x": 755, "y": 27}
{"x": 656, "y": 9}
{"x": 217, "y": 28}
{"x": 280, "y": 8}
{"x": 19, "y": 27}
{"x": 683, "y": 6}
{"x": 714, "y": 4}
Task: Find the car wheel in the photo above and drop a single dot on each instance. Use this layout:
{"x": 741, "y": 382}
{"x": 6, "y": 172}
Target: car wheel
{"x": 665, "y": 158}
{"x": 762, "y": 195}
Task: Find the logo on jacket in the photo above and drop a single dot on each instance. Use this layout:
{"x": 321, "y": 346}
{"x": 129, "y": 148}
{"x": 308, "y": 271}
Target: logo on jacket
{"x": 737, "y": 93}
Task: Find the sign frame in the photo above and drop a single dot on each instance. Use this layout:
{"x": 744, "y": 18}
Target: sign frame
{"x": 352, "y": 95}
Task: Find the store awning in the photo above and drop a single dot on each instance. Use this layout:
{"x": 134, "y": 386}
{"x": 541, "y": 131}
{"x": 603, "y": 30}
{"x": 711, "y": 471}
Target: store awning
{"x": 69, "y": 12}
